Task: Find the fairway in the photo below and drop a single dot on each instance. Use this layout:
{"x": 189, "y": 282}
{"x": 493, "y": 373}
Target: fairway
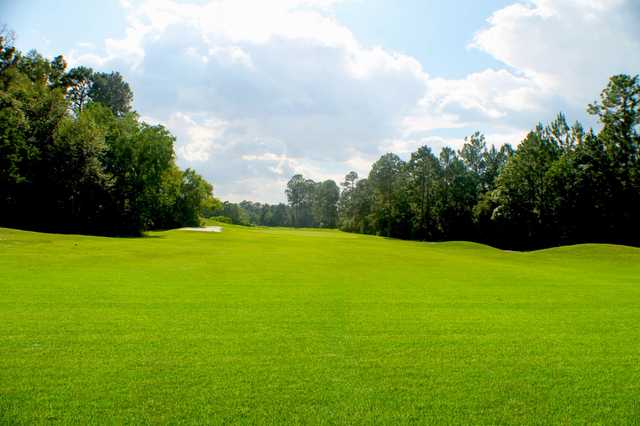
{"x": 266, "y": 325}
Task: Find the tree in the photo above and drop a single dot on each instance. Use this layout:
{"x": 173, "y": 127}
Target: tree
{"x": 8, "y": 52}
{"x": 196, "y": 195}
{"x": 390, "y": 210}
{"x": 458, "y": 195}
{"x": 280, "y": 215}
{"x": 111, "y": 90}
{"x": 76, "y": 179}
{"x": 237, "y": 214}
{"x": 15, "y": 147}
{"x": 325, "y": 204}
{"x": 79, "y": 81}
{"x": 486, "y": 228}
{"x": 300, "y": 194}
{"x": 619, "y": 114}
{"x": 346, "y": 201}
{"x": 350, "y": 180}
{"x": 424, "y": 174}
{"x": 359, "y": 218}
{"x": 30, "y": 111}
{"x": 522, "y": 192}
{"x": 494, "y": 161}
{"x": 91, "y": 167}
{"x": 472, "y": 153}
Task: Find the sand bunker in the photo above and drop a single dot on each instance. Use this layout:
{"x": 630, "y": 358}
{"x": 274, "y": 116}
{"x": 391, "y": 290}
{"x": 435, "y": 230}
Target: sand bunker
{"x": 204, "y": 229}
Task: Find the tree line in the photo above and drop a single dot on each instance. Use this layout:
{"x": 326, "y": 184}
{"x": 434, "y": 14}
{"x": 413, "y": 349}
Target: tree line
{"x": 75, "y": 157}
{"x": 561, "y": 185}
{"x": 310, "y": 204}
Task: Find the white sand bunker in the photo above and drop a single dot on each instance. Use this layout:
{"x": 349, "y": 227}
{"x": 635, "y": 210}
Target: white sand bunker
{"x": 204, "y": 229}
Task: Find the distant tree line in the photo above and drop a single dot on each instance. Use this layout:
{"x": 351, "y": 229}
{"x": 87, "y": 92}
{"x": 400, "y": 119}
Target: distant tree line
{"x": 563, "y": 184}
{"x": 74, "y": 157}
{"x": 311, "y": 204}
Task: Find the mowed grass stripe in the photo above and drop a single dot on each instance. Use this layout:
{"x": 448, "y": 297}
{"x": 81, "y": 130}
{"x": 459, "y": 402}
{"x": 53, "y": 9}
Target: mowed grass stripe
{"x": 258, "y": 325}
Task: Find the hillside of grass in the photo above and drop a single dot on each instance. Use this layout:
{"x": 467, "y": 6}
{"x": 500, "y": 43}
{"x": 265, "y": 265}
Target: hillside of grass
{"x": 264, "y": 325}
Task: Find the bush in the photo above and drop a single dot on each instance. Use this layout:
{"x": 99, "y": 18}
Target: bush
{"x": 221, "y": 219}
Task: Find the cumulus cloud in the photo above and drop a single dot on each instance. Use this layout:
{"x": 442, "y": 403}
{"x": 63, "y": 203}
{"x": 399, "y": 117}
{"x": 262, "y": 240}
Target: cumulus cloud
{"x": 197, "y": 141}
{"x": 570, "y": 47}
{"x": 490, "y": 98}
{"x": 256, "y": 97}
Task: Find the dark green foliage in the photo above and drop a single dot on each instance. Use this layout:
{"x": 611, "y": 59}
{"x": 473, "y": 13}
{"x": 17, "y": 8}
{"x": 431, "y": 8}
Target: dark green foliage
{"x": 111, "y": 90}
{"x": 72, "y": 158}
{"x": 236, "y": 214}
{"x": 83, "y": 85}
{"x": 324, "y": 204}
{"x": 221, "y": 219}
{"x": 523, "y": 196}
{"x": 311, "y": 204}
{"x": 390, "y": 205}
{"x": 561, "y": 185}
{"x": 78, "y": 81}
{"x": 354, "y": 213}
{"x": 300, "y": 196}
{"x": 458, "y": 195}
{"x": 425, "y": 174}
{"x": 195, "y": 196}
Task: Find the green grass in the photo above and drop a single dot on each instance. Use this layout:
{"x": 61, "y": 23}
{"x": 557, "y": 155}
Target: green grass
{"x": 259, "y": 325}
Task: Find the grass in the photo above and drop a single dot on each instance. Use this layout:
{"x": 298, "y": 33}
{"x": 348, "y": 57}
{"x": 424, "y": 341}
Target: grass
{"x": 257, "y": 325}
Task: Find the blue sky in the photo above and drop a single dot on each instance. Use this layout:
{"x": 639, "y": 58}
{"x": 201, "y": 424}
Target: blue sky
{"x": 256, "y": 91}
{"x": 435, "y": 32}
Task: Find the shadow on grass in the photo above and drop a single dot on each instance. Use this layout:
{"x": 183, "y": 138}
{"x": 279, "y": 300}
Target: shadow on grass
{"x": 70, "y": 230}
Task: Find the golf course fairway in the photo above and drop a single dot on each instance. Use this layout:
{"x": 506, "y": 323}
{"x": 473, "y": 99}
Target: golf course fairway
{"x": 267, "y": 325}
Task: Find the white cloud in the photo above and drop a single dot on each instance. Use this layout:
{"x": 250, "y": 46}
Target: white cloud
{"x": 234, "y": 55}
{"x": 570, "y": 47}
{"x": 197, "y": 142}
{"x": 254, "y": 97}
{"x": 279, "y": 160}
{"x": 488, "y": 95}
{"x": 404, "y": 147}
{"x": 493, "y": 93}
{"x": 293, "y": 92}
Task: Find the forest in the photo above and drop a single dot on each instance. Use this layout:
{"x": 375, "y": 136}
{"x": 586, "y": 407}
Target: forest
{"x": 74, "y": 157}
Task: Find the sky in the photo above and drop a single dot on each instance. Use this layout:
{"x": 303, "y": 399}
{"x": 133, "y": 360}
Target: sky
{"x": 256, "y": 91}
